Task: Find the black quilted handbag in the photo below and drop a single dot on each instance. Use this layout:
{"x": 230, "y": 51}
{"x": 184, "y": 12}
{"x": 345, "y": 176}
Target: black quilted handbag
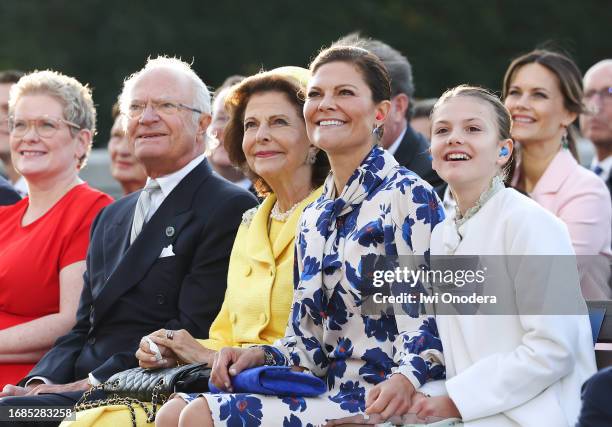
{"x": 134, "y": 387}
{"x": 143, "y": 384}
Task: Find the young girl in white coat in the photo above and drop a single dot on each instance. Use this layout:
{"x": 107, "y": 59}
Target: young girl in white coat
{"x": 502, "y": 370}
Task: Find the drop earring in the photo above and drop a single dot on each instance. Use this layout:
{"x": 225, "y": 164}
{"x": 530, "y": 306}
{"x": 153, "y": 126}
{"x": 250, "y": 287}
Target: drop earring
{"x": 564, "y": 140}
{"x": 378, "y": 132}
{"x": 312, "y": 156}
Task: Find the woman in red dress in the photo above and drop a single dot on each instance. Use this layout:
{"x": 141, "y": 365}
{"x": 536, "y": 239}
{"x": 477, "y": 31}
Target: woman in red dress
{"x": 44, "y": 237}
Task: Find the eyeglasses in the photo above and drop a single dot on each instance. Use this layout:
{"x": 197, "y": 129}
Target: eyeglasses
{"x": 594, "y": 98}
{"x": 45, "y": 126}
{"x": 136, "y": 109}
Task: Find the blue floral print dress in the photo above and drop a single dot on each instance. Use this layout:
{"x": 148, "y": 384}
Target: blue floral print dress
{"x": 384, "y": 209}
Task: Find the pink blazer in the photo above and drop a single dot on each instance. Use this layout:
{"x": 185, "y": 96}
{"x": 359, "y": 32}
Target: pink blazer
{"x": 582, "y": 201}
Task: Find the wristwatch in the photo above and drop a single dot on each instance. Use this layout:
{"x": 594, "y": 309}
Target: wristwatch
{"x": 269, "y": 359}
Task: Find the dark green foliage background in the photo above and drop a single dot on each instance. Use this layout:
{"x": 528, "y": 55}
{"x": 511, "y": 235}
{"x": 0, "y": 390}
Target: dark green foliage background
{"x": 448, "y": 42}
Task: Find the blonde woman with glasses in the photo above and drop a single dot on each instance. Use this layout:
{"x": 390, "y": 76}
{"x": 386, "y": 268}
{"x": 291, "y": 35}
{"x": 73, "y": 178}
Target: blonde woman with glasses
{"x": 44, "y": 237}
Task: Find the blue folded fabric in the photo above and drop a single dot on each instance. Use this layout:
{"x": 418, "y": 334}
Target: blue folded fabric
{"x": 276, "y": 381}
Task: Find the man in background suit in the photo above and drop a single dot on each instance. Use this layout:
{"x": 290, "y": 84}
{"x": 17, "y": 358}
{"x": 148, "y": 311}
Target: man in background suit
{"x": 7, "y": 79}
{"x": 8, "y": 195}
{"x": 596, "y": 124}
{"x": 410, "y": 148}
{"x": 157, "y": 258}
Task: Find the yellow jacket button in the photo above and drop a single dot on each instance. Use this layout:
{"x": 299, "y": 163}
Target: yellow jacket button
{"x": 233, "y": 317}
{"x": 247, "y": 270}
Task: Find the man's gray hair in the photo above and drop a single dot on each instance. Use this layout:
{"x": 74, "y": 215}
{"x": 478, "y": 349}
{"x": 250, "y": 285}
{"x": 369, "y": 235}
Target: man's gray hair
{"x": 201, "y": 94}
{"x": 397, "y": 64}
{"x": 607, "y": 62}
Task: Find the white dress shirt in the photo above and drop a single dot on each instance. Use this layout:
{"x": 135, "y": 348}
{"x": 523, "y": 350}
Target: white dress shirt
{"x": 21, "y": 186}
{"x": 168, "y": 182}
{"x": 393, "y": 148}
{"x": 605, "y": 165}
{"x": 244, "y": 183}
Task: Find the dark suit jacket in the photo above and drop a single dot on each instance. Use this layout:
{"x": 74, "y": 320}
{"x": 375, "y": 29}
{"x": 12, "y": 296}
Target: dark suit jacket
{"x": 413, "y": 153}
{"x": 596, "y": 409}
{"x": 8, "y": 195}
{"x": 130, "y": 292}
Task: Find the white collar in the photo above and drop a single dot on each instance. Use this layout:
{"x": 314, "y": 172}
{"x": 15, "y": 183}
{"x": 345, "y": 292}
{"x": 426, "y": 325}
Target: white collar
{"x": 393, "y": 148}
{"x": 244, "y": 183}
{"x": 605, "y": 164}
{"x": 21, "y": 186}
{"x": 168, "y": 182}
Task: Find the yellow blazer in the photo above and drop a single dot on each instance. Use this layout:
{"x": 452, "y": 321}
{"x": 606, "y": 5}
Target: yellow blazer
{"x": 259, "y": 282}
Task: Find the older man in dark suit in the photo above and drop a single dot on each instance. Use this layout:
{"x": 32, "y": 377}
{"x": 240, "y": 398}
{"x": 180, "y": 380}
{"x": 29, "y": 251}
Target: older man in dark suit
{"x": 158, "y": 258}
{"x": 8, "y": 195}
{"x": 410, "y": 148}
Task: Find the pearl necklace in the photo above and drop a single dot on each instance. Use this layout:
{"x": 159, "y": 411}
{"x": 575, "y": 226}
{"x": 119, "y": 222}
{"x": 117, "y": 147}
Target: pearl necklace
{"x": 276, "y": 214}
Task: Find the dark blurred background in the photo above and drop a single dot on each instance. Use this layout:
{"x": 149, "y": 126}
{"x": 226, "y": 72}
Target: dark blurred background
{"x": 447, "y": 42}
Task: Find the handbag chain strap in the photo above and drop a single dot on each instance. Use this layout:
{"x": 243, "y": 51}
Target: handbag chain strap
{"x": 156, "y": 399}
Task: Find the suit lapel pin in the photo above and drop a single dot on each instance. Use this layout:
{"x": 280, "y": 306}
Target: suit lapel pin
{"x": 170, "y": 231}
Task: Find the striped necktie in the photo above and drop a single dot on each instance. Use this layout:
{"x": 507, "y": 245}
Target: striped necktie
{"x": 143, "y": 206}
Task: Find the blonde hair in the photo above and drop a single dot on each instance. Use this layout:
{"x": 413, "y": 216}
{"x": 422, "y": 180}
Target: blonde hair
{"x": 75, "y": 98}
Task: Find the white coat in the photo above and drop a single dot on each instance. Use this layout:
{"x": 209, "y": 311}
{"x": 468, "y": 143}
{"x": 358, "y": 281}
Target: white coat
{"x": 514, "y": 370}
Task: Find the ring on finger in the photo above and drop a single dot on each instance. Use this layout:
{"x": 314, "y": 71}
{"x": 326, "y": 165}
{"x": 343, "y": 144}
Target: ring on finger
{"x": 170, "y": 334}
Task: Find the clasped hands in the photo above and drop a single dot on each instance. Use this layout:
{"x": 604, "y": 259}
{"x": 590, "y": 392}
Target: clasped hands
{"x": 176, "y": 347}
{"x": 395, "y": 396}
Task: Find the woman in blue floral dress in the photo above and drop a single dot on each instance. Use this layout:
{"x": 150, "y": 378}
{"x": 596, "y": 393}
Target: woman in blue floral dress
{"x": 372, "y": 364}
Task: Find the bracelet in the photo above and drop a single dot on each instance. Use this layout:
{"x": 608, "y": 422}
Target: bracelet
{"x": 268, "y": 357}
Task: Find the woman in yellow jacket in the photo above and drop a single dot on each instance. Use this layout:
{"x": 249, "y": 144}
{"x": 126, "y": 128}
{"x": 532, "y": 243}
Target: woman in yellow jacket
{"x": 266, "y": 137}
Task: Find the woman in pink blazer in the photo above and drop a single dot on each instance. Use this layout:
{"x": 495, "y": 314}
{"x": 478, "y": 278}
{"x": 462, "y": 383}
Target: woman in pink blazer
{"x": 543, "y": 92}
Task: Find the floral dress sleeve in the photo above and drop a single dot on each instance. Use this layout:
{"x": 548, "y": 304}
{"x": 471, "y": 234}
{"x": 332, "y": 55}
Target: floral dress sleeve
{"x": 301, "y": 345}
{"x": 417, "y": 350}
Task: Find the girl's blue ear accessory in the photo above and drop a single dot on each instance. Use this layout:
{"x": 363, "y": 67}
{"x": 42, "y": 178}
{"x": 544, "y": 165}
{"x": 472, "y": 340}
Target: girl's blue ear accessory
{"x": 503, "y": 152}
